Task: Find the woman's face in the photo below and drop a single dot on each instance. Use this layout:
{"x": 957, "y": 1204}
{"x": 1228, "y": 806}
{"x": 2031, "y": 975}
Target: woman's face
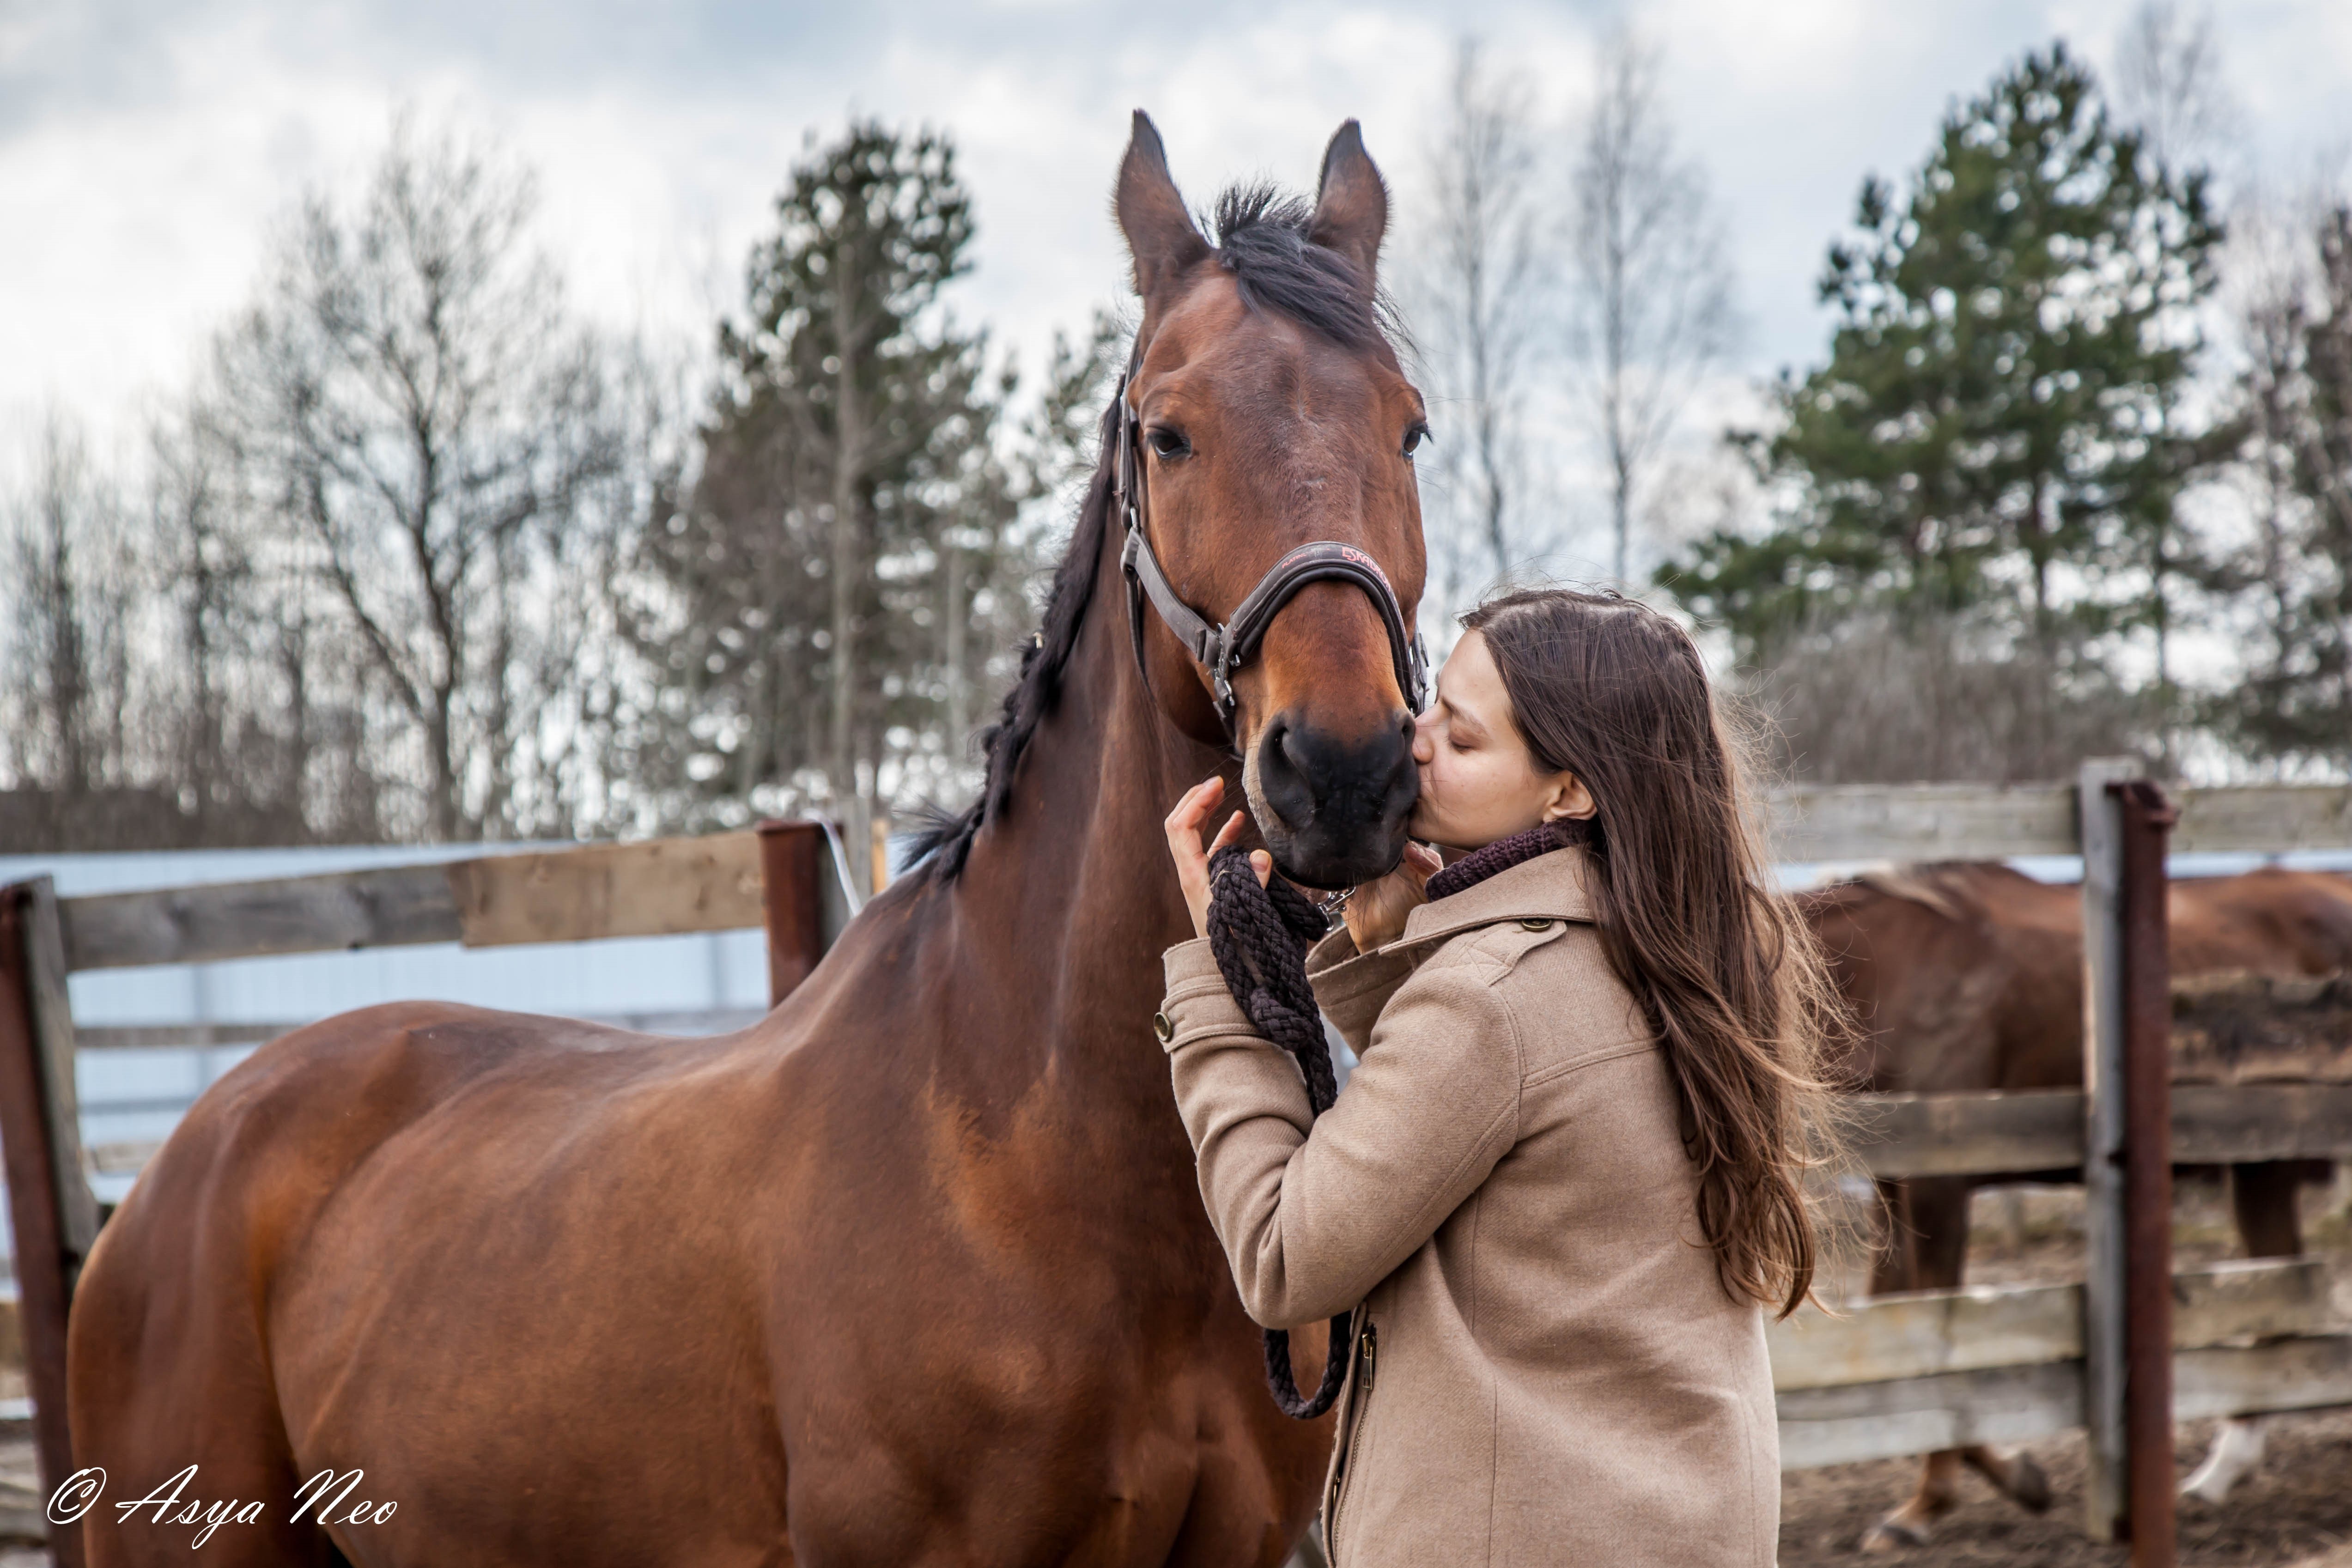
{"x": 1478, "y": 783}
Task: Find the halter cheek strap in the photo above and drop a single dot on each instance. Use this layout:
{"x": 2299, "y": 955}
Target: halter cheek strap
{"x": 1222, "y": 650}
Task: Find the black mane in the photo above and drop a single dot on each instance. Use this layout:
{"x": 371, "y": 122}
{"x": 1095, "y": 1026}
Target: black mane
{"x": 1262, "y": 238}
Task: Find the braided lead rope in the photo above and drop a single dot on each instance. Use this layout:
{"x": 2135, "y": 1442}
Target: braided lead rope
{"x": 1260, "y": 936}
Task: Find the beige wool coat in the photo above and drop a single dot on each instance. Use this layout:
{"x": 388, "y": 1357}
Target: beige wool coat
{"x": 1545, "y": 1366}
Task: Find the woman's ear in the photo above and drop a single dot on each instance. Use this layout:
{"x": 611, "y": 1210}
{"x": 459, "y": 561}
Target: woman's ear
{"x": 1569, "y": 797}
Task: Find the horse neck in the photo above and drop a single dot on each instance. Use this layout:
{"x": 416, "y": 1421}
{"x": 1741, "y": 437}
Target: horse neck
{"x": 1071, "y": 886}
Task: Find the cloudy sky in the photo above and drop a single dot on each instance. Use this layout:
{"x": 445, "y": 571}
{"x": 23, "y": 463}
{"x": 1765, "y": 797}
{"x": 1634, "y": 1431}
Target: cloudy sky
{"x": 148, "y": 146}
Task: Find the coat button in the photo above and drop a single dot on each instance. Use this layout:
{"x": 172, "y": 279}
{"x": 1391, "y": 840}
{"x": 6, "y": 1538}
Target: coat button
{"x": 1534, "y": 925}
{"x": 1162, "y": 1028}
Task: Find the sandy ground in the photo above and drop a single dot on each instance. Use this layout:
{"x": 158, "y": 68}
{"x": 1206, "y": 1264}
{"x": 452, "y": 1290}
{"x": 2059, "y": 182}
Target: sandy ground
{"x": 2294, "y": 1513}
{"x": 2296, "y": 1509}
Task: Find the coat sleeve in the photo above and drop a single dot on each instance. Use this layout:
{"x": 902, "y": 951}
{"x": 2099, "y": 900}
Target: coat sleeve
{"x": 1311, "y": 1222}
{"x": 1351, "y": 987}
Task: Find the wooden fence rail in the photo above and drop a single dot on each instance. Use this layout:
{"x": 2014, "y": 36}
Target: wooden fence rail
{"x": 664, "y": 886}
{"x": 2007, "y": 1405}
{"x": 1974, "y": 821}
{"x": 1913, "y": 1372}
{"x": 2041, "y": 1131}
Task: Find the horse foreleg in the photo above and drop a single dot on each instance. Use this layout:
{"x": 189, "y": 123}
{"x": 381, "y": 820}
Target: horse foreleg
{"x": 1926, "y": 1249}
{"x": 1913, "y": 1523}
{"x": 2262, "y": 1202}
{"x": 2237, "y": 1453}
{"x": 1894, "y": 1266}
{"x": 2016, "y": 1476}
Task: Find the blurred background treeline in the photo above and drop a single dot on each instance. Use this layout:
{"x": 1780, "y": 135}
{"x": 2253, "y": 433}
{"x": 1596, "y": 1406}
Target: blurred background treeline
{"x": 417, "y": 552}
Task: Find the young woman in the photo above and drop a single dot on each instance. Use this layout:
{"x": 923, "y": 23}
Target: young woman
{"x": 1564, "y": 1181}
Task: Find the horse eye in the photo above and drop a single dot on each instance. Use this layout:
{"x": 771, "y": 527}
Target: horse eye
{"x": 1416, "y": 434}
{"x": 1169, "y": 444}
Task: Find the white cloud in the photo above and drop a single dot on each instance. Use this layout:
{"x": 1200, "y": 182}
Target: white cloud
{"x": 144, "y": 151}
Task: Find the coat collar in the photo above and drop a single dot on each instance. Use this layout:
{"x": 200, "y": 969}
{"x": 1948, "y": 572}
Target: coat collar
{"x": 1549, "y": 886}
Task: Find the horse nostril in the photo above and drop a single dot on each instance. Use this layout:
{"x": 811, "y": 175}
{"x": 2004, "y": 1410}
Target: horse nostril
{"x": 1283, "y": 777}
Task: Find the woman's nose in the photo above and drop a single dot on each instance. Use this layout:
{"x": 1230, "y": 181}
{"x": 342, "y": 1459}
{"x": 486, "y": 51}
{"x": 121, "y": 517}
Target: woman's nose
{"x": 1425, "y": 743}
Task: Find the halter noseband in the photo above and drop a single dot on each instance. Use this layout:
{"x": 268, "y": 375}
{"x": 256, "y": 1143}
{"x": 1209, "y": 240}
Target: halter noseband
{"x": 1222, "y": 650}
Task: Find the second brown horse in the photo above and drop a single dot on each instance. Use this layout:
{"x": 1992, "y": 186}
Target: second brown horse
{"x": 915, "y": 1270}
{"x": 1968, "y": 975}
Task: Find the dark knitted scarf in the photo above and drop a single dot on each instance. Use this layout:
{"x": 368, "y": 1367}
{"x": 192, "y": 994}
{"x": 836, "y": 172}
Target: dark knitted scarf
{"x": 1501, "y": 855}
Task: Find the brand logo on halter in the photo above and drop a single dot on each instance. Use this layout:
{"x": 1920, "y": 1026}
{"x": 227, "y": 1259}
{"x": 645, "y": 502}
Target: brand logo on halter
{"x": 1347, "y": 552}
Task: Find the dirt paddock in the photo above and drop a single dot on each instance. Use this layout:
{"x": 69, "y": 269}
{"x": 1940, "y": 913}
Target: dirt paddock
{"x": 2295, "y": 1508}
{"x": 2296, "y": 1512}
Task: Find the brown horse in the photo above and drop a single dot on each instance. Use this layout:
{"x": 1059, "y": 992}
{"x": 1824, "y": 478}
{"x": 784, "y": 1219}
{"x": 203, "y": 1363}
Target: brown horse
{"x": 916, "y": 1269}
{"x": 1969, "y": 976}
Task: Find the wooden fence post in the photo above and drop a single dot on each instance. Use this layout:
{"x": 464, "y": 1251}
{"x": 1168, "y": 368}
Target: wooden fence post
{"x": 49, "y": 1201}
{"x": 2105, "y": 1482}
{"x": 794, "y": 855}
{"x": 2146, "y": 821}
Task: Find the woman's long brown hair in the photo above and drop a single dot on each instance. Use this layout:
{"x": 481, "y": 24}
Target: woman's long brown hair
{"x": 1615, "y": 693}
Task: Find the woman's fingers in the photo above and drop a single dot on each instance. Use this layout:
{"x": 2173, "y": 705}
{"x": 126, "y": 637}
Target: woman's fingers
{"x": 1229, "y": 832}
{"x": 1195, "y": 803}
{"x": 1260, "y": 861}
{"x": 1184, "y": 844}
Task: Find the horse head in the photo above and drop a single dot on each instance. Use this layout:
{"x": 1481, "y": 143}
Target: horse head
{"x": 1266, "y": 411}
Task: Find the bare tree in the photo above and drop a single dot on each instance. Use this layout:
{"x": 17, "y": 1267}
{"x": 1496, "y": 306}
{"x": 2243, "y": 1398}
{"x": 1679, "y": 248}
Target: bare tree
{"x": 1885, "y": 696}
{"x": 2291, "y": 700}
{"x": 1480, "y": 292}
{"x": 2168, "y": 84}
{"x": 1651, "y": 301}
{"x": 69, "y": 667}
{"x": 438, "y": 435}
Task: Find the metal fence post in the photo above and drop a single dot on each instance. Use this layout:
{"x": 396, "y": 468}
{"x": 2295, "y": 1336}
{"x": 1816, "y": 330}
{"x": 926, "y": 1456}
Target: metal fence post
{"x": 2147, "y": 820}
{"x": 49, "y": 1201}
{"x": 2104, "y": 1478}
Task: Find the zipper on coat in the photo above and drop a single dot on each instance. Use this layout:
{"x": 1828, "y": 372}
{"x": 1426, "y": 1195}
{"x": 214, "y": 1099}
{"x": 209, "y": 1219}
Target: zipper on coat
{"x": 1368, "y": 1347}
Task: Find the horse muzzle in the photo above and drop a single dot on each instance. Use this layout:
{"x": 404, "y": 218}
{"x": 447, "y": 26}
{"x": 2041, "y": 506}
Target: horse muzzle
{"x": 1332, "y": 809}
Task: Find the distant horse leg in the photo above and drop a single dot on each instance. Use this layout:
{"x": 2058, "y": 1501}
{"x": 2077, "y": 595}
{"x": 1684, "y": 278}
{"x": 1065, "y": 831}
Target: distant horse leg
{"x": 1926, "y": 1248}
{"x": 1896, "y": 1265}
{"x": 2262, "y": 1198}
{"x": 1912, "y": 1524}
{"x": 2015, "y": 1476}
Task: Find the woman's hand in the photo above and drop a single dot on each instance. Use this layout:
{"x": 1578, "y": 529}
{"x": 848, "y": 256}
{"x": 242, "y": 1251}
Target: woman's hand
{"x": 1375, "y": 912}
{"x": 1191, "y": 860}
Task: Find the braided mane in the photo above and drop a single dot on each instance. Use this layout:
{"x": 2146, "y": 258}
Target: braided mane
{"x": 1261, "y": 239}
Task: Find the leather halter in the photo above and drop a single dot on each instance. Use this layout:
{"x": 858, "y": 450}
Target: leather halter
{"x": 1222, "y": 650}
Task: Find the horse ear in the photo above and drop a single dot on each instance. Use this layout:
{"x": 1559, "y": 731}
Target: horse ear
{"x": 1160, "y": 232}
{"x": 1351, "y": 203}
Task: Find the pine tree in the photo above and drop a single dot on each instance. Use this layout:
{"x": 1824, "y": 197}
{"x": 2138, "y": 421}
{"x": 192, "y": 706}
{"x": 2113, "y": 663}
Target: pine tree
{"x": 1994, "y": 437}
{"x": 829, "y": 585}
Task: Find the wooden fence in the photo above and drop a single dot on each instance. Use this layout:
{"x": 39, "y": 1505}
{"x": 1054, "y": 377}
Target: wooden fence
{"x": 1898, "y": 1375}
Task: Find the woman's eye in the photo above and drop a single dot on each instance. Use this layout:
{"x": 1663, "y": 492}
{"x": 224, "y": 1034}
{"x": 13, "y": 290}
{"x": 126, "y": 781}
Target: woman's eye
{"x": 1169, "y": 444}
{"x": 1413, "y": 436}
